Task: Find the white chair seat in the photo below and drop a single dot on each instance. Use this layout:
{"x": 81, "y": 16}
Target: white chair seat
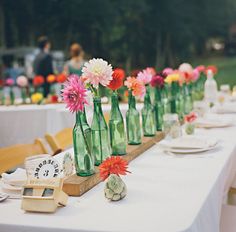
{"x": 228, "y": 219}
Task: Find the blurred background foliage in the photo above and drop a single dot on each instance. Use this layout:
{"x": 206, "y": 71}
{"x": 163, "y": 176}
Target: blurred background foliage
{"x": 129, "y": 33}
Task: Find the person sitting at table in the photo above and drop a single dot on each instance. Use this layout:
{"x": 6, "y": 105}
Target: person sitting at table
{"x": 76, "y": 62}
{"x": 43, "y": 62}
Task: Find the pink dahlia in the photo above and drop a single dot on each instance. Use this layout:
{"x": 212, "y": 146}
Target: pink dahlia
{"x": 74, "y": 94}
{"x": 144, "y": 76}
{"x": 151, "y": 70}
{"x": 97, "y": 71}
{"x": 157, "y": 81}
{"x": 9, "y": 82}
{"x": 167, "y": 71}
{"x": 22, "y": 81}
{"x": 196, "y": 75}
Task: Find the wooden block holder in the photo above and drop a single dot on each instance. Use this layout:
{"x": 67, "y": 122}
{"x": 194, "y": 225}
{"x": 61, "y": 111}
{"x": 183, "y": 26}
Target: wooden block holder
{"x": 77, "y": 185}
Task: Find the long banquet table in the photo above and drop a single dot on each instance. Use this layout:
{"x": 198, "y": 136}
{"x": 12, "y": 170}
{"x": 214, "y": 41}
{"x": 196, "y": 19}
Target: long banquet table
{"x": 166, "y": 193}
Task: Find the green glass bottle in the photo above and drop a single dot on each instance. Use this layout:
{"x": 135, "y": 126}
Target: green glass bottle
{"x": 100, "y": 137}
{"x": 180, "y": 109}
{"x": 23, "y": 95}
{"x": 2, "y": 97}
{"x": 133, "y": 127}
{"x": 159, "y": 109}
{"x": 165, "y": 96}
{"x": 116, "y": 128}
{"x": 148, "y": 116}
{"x": 188, "y": 100}
{"x": 174, "y": 98}
{"x": 84, "y": 161}
{"x": 12, "y": 96}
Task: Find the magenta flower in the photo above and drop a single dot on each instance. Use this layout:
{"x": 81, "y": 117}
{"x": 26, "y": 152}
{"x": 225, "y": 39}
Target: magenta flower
{"x": 144, "y": 76}
{"x": 10, "y": 82}
{"x": 74, "y": 94}
{"x": 157, "y": 81}
{"x": 97, "y": 71}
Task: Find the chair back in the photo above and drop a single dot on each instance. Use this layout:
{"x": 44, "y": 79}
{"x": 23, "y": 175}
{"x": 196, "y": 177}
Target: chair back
{"x": 62, "y": 140}
{"x": 15, "y": 155}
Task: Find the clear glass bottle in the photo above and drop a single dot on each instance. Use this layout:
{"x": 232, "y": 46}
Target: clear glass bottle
{"x": 133, "y": 127}
{"x": 116, "y": 128}
{"x": 84, "y": 161}
{"x": 12, "y": 96}
{"x": 148, "y": 116}
{"x": 171, "y": 126}
{"x": 100, "y": 135}
{"x": 210, "y": 90}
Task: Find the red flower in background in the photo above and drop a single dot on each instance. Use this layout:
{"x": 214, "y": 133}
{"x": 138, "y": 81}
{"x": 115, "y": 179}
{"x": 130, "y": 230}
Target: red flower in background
{"x": 61, "y": 78}
{"x": 1, "y": 83}
{"x": 113, "y": 165}
{"x": 213, "y": 68}
{"x": 157, "y": 81}
{"x": 54, "y": 98}
{"x": 117, "y": 79}
{"x": 191, "y": 117}
{"x": 38, "y": 80}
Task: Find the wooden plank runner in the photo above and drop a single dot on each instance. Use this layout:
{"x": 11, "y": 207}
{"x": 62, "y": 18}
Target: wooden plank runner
{"x": 77, "y": 185}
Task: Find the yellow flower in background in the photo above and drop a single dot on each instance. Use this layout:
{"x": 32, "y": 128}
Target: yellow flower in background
{"x": 36, "y": 98}
{"x": 174, "y": 77}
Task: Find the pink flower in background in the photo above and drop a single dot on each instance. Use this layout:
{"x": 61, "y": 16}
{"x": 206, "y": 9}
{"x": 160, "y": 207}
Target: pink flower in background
{"x": 22, "y": 81}
{"x": 167, "y": 71}
{"x": 74, "y": 94}
{"x": 144, "y": 76}
{"x": 9, "y": 82}
{"x": 195, "y": 75}
{"x": 157, "y": 81}
{"x": 186, "y": 67}
{"x": 201, "y": 68}
{"x": 136, "y": 86}
{"x": 151, "y": 70}
{"x": 97, "y": 71}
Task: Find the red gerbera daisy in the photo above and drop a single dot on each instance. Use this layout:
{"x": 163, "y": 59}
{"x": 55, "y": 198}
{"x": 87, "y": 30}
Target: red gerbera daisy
{"x": 61, "y": 78}
{"x": 38, "y": 80}
{"x": 117, "y": 79}
{"x": 213, "y": 68}
{"x": 113, "y": 165}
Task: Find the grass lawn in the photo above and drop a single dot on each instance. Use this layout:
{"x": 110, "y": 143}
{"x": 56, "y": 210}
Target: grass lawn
{"x": 226, "y": 68}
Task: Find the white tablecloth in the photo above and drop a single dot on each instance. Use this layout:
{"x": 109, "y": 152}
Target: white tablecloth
{"x": 23, "y": 124}
{"x": 165, "y": 193}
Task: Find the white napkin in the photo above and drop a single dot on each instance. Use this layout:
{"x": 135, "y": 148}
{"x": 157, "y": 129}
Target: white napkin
{"x": 17, "y": 178}
{"x": 212, "y": 123}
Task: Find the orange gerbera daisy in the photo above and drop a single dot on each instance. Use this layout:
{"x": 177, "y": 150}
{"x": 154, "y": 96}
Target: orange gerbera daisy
{"x": 136, "y": 86}
{"x": 113, "y": 165}
{"x": 61, "y": 78}
{"x": 51, "y": 78}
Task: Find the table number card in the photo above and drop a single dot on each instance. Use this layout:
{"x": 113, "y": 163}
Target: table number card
{"x": 47, "y": 168}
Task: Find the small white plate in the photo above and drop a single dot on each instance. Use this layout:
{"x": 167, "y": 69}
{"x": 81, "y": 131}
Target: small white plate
{"x": 189, "y": 151}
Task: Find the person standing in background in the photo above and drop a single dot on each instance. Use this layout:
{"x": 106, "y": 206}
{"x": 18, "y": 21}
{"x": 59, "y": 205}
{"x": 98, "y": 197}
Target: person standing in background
{"x": 43, "y": 62}
{"x": 76, "y": 62}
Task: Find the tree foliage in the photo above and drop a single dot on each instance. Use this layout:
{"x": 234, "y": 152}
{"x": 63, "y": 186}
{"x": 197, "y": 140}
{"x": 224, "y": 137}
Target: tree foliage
{"x": 129, "y": 33}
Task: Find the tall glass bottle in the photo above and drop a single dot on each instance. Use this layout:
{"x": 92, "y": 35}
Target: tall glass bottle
{"x": 188, "y": 99}
{"x": 174, "y": 99}
{"x": 159, "y": 109}
{"x": 84, "y": 161}
{"x": 12, "y": 96}
{"x": 100, "y": 137}
{"x": 148, "y": 116}
{"x": 180, "y": 108}
{"x": 165, "y": 96}
{"x": 133, "y": 127}
{"x": 116, "y": 128}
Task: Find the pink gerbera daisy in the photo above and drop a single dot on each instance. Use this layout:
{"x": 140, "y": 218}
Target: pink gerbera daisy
{"x": 74, "y": 94}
